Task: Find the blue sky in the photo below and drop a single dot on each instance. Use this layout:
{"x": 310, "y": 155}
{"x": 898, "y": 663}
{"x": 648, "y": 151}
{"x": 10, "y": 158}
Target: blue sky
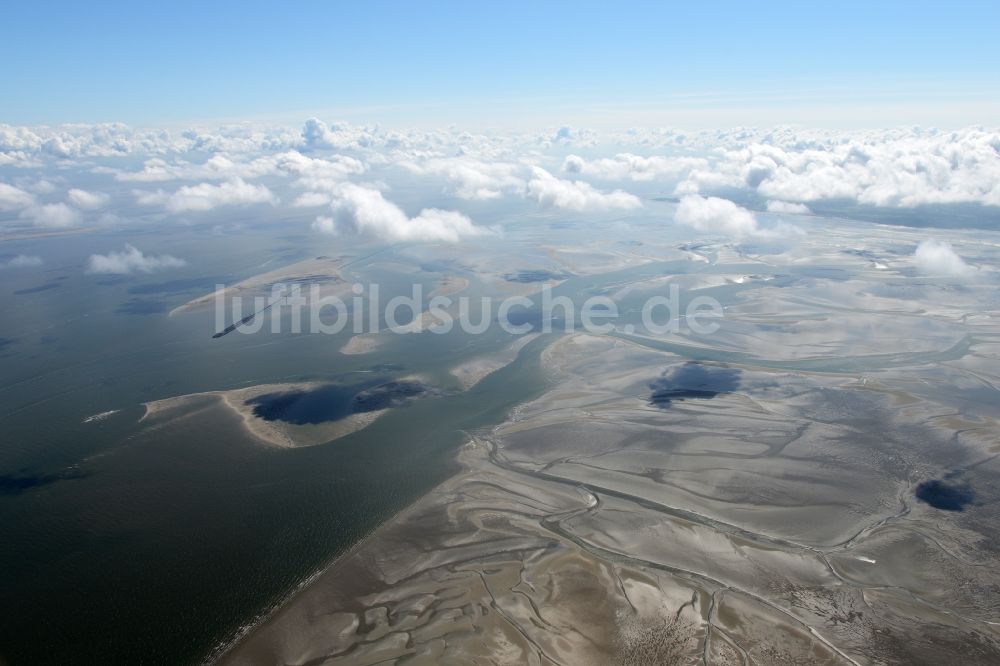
{"x": 502, "y": 63}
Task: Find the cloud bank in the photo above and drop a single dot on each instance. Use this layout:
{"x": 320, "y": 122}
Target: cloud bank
{"x": 889, "y": 168}
{"x": 552, "y": 192}
{"x": 131, "y": 260}
{"x": 472, "y": 178}
{"x": 311, "y": 166}
{"x": 633, "y": 167}
{"x": 206, "y": 196}
{"x": 363, "y": 210}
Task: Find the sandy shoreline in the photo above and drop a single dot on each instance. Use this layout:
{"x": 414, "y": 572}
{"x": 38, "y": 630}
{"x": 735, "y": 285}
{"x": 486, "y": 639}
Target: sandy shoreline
{"x": 223, "y": 653}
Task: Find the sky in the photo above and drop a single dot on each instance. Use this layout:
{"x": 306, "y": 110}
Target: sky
{"x": 496, "y": 64}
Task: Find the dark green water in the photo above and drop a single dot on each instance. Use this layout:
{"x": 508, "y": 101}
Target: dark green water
{"x": 128, "y": 544}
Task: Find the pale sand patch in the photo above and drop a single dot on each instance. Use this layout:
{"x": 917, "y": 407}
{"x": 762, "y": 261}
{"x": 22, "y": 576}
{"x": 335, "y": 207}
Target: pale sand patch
{"x": 474, "y": 371}
{"x": 451, "y": 284}
{"x": 273, "y": 433}
{"x": 323, "y": 271}
{"x": 158, "y": 409}
{"x": 288, "y": 435}
{"x": 594, "y": 259}
{"x": 31, "y": 234}
{"x": 364, "y": 343}
{"x": 422, "y": 323}
{"x": 685, "y": 282}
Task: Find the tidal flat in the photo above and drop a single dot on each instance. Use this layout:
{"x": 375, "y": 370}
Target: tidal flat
{"x": 755, "y": 517}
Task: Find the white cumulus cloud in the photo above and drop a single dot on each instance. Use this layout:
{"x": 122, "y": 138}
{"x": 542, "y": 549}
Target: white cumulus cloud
{"x": 206, "y": 196}
{"x": 22, "y": 261}
{"x": 317, "y": 135}
{"x": 364, "y": 210}
{"x": 325, "y": 225}
{"x": 13, "y": 198}
{"x": 472, "y": 178}
{"x": 935, "y": 257}
{"x": 550, "y": 191}
{"x": 56, "y": 215}
{"x": 87, "y": 200}
{"x": 311, "y": 200}
{"x": 131, "y": 260}
{"x": 774, "y": 206}
{"x": 715, "y": 215}
{"x": 889, "y": 168}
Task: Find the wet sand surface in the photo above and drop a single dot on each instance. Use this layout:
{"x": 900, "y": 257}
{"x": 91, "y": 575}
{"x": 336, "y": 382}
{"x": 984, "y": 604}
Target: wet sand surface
{"x": 650, "y": 509}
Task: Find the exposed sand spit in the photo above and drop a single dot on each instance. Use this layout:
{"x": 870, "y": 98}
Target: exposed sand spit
{"x": 260, "y": 408}
{"x": 364, "y": 343}
{"x": 475, "y": 370}
{"x": 322, "y": 271}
